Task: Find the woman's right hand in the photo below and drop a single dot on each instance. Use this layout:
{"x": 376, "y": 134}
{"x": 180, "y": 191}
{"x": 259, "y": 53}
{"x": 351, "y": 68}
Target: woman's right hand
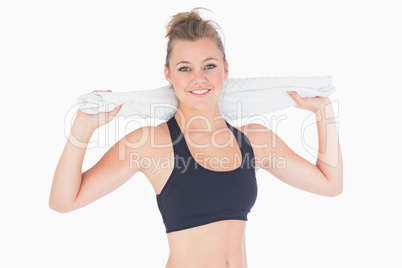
{"x": 71, "y": 188}
{"x": 89, "y": 122}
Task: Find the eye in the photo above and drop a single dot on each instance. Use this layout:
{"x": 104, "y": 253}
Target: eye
{"x": 184, "y": 69}
{"x": 210, "y": 66}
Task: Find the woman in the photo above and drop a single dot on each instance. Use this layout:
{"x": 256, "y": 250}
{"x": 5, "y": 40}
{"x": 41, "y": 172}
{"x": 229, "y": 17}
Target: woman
{"x": 209, "y": 185}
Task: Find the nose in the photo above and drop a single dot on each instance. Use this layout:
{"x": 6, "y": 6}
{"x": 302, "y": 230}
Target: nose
{"x": 199, "y": 77}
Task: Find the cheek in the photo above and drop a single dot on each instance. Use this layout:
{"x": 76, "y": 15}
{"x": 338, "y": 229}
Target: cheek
{"x": 218, "y": 76}
{"x": 181, "y": 82}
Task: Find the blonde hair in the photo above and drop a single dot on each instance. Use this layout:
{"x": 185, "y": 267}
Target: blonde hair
{"x": 189, "y": 26}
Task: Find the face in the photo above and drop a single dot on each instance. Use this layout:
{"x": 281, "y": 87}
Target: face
{"x": 197, "y": 66}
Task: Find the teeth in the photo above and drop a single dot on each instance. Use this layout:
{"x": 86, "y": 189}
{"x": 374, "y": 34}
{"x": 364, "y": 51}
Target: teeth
{"x": 199, "y": 91}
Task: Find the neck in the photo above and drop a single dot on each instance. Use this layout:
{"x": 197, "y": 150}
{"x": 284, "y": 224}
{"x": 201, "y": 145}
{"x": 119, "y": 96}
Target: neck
{"x": 207, "y": 120}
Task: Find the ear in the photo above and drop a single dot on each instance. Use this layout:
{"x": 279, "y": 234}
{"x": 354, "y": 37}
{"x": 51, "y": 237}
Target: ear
{"x": 226, "y": 71}
{"x": 167, "y": 74}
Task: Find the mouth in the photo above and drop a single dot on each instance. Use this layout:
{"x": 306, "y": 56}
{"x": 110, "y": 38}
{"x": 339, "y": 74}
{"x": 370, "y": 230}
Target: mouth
{"x": 200, "y": 92}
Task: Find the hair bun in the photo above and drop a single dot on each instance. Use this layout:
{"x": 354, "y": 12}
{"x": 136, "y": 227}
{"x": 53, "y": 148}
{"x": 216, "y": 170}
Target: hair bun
{"x": 183, "y": 17}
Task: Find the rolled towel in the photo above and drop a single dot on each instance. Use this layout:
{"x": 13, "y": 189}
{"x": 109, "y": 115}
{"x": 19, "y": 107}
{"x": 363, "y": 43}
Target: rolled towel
{"x": 241, "y": 98}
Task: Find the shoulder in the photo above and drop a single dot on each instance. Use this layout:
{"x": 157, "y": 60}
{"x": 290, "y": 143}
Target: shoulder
{"x": 256, "y": 133}
{"x": 146, "y": 144}
{"x": 155, "y": 153}
{"x": 261, "y": 138}
{"x": 147, "y": 137}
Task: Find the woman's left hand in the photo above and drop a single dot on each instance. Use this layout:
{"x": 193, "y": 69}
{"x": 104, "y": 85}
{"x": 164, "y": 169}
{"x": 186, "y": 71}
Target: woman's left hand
{"x": 313, "y": 104}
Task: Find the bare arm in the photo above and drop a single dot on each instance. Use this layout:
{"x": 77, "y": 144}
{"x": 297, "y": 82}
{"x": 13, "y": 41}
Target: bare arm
{"x": 72, "y": 189}
{"x": 68, "y": 174}
{"x": 323, "y": 178}
{"x": 329, "y": 157}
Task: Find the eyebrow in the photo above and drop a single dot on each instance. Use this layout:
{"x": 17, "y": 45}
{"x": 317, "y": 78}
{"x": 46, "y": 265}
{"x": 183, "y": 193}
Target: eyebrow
{"x": 207, "y": 59}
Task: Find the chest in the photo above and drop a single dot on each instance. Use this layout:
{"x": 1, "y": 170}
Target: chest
{"x": 220, "y": 153}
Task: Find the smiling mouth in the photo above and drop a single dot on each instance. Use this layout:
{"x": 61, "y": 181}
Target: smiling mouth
{"x": 200, "y": 92}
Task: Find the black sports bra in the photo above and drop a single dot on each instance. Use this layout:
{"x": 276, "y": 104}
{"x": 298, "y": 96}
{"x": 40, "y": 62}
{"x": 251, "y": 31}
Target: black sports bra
{"x": 194, "y": 195}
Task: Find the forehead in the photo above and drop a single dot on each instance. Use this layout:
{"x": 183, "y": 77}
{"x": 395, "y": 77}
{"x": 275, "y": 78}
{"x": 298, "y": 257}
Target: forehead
{"x": 195, "y": 50}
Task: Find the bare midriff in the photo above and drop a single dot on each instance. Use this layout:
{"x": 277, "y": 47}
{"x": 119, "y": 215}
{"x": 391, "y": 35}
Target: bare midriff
{"x": 219, "y": 244}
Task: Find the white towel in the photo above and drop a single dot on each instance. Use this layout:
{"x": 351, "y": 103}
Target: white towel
{"x": 242, "y": 97}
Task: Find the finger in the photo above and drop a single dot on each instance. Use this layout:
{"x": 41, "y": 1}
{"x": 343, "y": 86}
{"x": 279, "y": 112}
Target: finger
{"x": 296, "y": 97}
{"x": 116, "y": 110}
{"x": 101, "y": 91}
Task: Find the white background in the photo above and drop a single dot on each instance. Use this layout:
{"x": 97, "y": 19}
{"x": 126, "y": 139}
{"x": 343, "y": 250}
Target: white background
{"x": 53, "y": 51}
